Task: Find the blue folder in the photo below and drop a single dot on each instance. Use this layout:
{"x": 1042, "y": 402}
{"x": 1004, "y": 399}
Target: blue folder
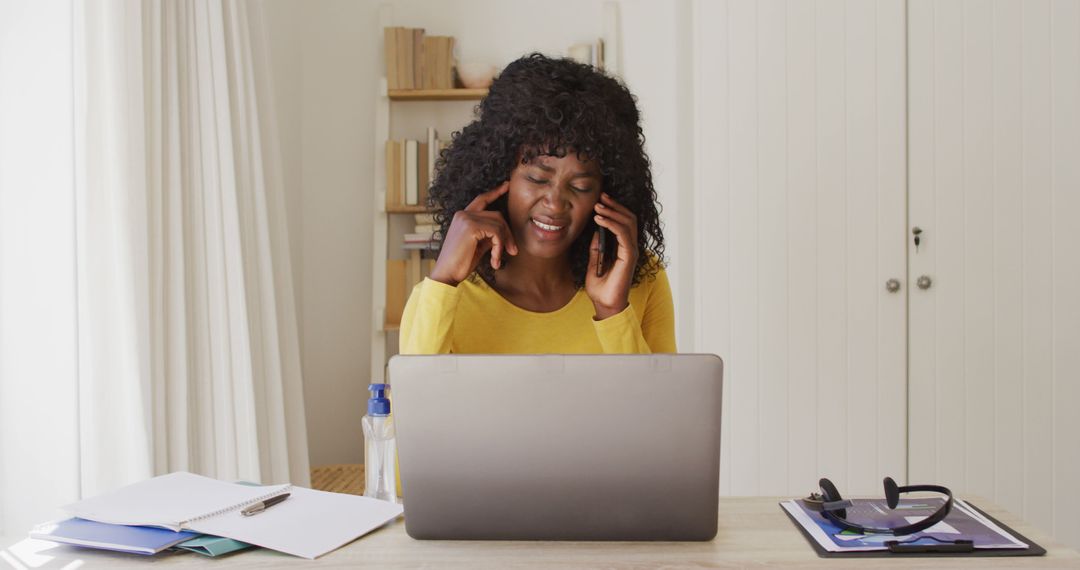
{"x": 134, "y": 539}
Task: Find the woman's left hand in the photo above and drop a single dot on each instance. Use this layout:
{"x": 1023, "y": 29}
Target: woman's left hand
{"x": 610, "y": 292}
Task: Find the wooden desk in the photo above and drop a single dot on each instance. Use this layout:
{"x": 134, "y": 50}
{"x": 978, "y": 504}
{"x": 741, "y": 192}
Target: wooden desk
{"x": 753, "y": 532}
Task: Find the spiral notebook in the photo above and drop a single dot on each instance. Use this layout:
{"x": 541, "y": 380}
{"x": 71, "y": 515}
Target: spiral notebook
{"x": 309, "y": 523}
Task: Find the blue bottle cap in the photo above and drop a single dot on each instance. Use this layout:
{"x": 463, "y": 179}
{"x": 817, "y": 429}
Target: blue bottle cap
{"x": 379, "y": 404}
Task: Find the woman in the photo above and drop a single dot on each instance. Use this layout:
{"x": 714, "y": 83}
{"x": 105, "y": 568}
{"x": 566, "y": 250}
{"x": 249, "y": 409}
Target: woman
{"x": 555, "y": 157}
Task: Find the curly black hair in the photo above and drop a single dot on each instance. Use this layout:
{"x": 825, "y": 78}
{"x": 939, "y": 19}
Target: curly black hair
{"x": 551, "y": 106}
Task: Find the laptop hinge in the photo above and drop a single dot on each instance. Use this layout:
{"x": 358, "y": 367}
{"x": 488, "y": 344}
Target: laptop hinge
{"x": 446, "y": 364}
{"x": 554, "y": 363}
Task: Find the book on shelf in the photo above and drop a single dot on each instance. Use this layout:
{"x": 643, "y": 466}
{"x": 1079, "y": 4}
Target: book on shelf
{"x": 401, "y": 276}
{"x": 418, "y": 237}
{"x": 395, "y": 173}
{"x": 432, "y": 155}
{"x": 423, "y": 173}
{"x": 410, "y": 169}
{"x": 412, "y": 180}
{"x": 418, "y": 57}
{"x": 403, "y": 57}
{"x": 589, "y": 54}
{"x": 415, "y": 60}
{"x": 395, "y": 291}
{"x": 412, "y": 271}
{"x": 423, "y": 232}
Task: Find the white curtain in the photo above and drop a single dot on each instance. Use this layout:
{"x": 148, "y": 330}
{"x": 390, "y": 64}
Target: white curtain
{"x": 185, "y": 339}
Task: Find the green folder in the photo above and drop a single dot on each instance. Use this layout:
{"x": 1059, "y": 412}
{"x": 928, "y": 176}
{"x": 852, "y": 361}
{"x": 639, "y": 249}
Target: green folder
{"x": 213, "y": 545}
{"x": 208, "y": 545}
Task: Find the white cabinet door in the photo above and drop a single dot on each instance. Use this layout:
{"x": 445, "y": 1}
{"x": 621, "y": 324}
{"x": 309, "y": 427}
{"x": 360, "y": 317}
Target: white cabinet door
{"x": 994, "y": 93}
{"x": 801, "y": 174}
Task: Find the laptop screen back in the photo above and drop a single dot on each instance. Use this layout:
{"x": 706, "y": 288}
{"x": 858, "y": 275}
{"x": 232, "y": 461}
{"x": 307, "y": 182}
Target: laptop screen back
{"x": 558, "y": 447}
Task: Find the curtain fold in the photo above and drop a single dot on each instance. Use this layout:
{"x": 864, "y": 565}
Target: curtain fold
{"x": 188, "y": 349}
{"x": 147, "y": 318}
{"x": 111, "y": 253}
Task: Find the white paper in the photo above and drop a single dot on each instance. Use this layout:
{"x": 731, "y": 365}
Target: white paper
{"x": 941, "y": 527}
{"x": 1011, "y": 540}
{"x": 167, "y": 501}
{"x": 309, "y": 523}
{"x": 816, "y": 532}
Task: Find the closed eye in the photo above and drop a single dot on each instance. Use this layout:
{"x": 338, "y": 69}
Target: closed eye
{"x": 536, "y": 181}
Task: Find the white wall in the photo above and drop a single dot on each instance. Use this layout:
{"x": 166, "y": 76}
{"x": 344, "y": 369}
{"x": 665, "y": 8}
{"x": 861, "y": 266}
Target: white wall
{"x": 327, "y": 57}
{"x": 807, "y": 112}
{"x": 995, "y": 186}
{"x": 284, "y": 59}
{"x": 801, "y": 201}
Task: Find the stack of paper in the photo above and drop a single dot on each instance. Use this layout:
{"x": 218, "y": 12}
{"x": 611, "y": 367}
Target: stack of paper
{"x": 309, "y": 523}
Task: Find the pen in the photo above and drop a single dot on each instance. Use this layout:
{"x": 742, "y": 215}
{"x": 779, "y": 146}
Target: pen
{"x": 263, "y": 505}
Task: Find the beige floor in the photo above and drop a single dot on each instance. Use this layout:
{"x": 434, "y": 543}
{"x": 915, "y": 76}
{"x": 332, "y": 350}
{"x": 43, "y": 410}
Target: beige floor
{"x": 340, "y": 478}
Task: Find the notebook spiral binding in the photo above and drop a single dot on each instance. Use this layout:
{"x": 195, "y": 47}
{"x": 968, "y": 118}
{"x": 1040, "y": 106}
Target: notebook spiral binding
{"x": 242, "y": 505}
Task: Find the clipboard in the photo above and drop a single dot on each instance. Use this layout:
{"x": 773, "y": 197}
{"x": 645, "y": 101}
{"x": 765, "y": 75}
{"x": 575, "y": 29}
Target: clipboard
{"x": 1032, "y": 549}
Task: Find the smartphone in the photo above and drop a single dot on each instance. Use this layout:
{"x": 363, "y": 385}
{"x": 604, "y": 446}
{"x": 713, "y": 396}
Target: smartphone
{"x": 602, "y": 245}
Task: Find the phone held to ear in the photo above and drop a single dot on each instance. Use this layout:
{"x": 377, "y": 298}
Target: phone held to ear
{"x": 602, "y": 246}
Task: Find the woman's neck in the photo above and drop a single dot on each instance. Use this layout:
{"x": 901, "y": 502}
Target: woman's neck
{"x": 536, "y": 281}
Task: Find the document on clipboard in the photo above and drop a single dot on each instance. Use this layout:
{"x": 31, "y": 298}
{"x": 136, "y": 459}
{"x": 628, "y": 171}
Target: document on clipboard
{"x": 963, "y": 522}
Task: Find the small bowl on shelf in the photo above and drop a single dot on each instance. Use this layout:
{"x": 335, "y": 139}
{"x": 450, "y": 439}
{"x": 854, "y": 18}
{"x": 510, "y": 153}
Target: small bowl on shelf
{"x": 476, "y": 75}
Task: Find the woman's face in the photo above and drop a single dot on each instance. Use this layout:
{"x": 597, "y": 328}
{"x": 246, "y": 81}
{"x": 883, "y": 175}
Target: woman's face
{"x": 550, "y": 202}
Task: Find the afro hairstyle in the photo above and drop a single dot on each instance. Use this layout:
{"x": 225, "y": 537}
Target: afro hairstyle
{"x": 551, "y": 106}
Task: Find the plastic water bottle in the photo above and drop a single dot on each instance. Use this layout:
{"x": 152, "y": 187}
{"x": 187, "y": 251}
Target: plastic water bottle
{"x": 380, "y": 449}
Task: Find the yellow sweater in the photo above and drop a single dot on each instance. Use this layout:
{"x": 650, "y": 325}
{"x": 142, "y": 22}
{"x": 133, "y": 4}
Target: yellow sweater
{"x": 473, "y": 318}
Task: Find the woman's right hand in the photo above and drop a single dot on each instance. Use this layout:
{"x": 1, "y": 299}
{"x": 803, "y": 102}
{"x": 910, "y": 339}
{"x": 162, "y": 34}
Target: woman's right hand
{"x": 473, "y": 232}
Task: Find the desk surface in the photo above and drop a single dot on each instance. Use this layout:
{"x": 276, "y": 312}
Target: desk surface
{"x": 753, "y": 532}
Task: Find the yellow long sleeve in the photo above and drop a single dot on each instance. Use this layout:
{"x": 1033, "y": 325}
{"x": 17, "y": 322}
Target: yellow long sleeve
{"x": 473, "y": 318}
{"x": 428, "y": 318}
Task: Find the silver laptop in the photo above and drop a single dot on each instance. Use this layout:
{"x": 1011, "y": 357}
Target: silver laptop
{"x": 558, "y": 447}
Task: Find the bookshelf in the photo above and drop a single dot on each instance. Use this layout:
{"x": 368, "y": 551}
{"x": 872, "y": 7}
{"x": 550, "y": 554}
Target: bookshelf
{"x": 401, "y": 113}
{"x": 391, "y": 221}
{"x": 406, "y": 209}
{"x": 436, "y": 94}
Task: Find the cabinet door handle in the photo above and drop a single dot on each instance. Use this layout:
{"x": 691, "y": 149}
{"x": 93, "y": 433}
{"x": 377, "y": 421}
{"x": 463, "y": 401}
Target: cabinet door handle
{"x": 924, "y": 282}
